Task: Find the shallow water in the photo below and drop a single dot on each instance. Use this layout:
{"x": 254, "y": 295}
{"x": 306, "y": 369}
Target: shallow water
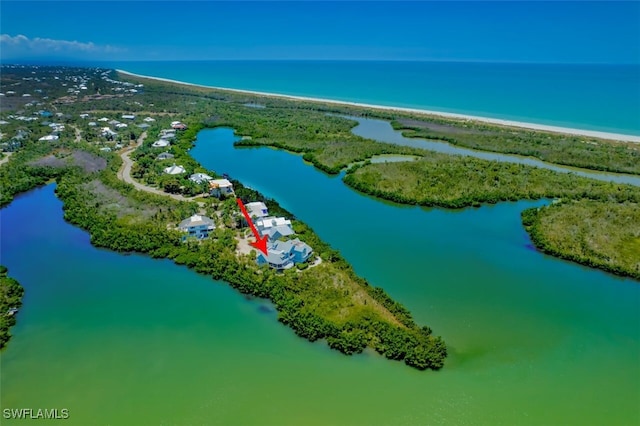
{"x": 130, "y": 340}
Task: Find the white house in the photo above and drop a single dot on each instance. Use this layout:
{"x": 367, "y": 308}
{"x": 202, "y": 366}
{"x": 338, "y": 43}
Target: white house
{"x": 107, "y": 132}
{"x": 103, "y": 119}
{"x": 149, "y": 119}
{"x": 197, "y": 226}
{"x": 128, "y": 116}
{"x": 174, "y": 170}
{"x": 161, "y": 143}
{"x": 200, "y": 177}
{"x": 274, "y": 227}
{"x": 84, "y": 115}
{"x": 121, "y": 125}
{"x": 49, "y": 138}
{"x": 257, "y": 209}
{"x": 218, "y": 187}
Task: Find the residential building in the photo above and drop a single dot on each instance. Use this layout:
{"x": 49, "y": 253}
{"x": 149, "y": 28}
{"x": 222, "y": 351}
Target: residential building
{"x": 128, "y": 116}
{"x": 161, "y": 143}
{"x": 174, "y": 170}
{"x": 284, "y": 254}
{"x": 107, "y": 132}
{"x": 274, "y": 227}
{"x": 200, "y": 177}
{"x": 49, "y": 138}
{"x": 149, "y": 119}
{"x": 257, "y": 209}
{"x": 220, "y": 187}
{"x": 197, "y": 226}
{"x": 164, "y": 156}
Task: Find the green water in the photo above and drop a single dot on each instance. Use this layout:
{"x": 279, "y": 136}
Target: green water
{"x": 129, "y": 340}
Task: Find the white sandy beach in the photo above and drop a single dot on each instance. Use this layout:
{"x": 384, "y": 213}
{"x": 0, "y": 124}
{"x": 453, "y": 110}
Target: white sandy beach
{"x": 519, "y": 124}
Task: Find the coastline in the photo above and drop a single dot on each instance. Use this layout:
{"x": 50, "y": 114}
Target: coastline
{"x": 507, "y": 123}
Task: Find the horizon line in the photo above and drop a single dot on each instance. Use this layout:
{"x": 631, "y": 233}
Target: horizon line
{"x": 30, "y": 61}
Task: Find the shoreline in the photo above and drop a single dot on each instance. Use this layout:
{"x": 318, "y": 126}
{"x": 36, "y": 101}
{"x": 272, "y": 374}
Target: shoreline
{"x": 619, "y": 137}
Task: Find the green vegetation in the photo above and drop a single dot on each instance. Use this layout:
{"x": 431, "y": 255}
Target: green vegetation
{"x": 10, "y": 298}
{"x": 577, "y": 151}
{"x": 454, "y": 182}
{"x": 327, "y": 301}
{"x": 593, "y": 233}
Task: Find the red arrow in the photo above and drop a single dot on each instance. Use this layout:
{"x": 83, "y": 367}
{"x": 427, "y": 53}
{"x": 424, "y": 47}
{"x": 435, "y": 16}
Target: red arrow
{"x": 261, "y": 243}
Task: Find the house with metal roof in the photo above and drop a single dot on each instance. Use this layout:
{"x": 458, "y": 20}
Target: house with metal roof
{"x": 197, "y": 226}
{"x": 284, "y": 254}
{"x": 161, "y": 143}
{"x": 164, "y": 156}
{"x": 174, "y": 170}
{"x": 200, "y": 177}
{"x": 220, "y": 187}
{"x": 274, "y": 227}
{"x": 257, "y": 209}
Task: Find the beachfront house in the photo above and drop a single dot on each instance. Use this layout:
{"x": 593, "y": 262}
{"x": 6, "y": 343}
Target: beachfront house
{"x": 274, "y": 227}
{"x": 220, "y": 187}
{"x": 200, "y": 177}
{"x": 197, "y": 226}
{"x": 174, "y": 170}
{"x": 257, "y": 209}
{"x": 284, "y": 254}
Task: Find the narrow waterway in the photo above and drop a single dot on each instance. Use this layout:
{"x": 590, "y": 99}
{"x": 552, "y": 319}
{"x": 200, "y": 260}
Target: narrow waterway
{"x": 130, "y": 340}
{"x": 381, "y": 131}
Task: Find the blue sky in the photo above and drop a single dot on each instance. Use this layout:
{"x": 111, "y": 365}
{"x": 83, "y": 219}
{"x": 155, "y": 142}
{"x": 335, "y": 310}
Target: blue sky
{"x": 511, "y": 31}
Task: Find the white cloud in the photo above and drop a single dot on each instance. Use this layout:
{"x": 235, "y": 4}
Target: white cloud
{"x": 22, "y": 45}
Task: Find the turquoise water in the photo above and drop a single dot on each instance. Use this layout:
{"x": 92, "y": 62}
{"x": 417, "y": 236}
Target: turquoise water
{"x": 130, "y": 340}
{"x": 590, "y": 97}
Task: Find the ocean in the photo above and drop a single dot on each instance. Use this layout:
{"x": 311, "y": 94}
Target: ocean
{"x": 582, "y": 96}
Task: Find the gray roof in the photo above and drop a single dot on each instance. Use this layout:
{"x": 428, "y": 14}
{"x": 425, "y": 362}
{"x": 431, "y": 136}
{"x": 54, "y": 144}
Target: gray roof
{"x": 283, "y": 230}
{"x": 276, "y": 258}
{"x": 292, "y": 245}
{"x": 165, "y": 156}
{"x": 199, "y": 177}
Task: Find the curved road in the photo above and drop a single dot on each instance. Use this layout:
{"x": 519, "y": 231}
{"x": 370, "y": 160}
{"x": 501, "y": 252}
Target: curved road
{"x": 125, "y": 173}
